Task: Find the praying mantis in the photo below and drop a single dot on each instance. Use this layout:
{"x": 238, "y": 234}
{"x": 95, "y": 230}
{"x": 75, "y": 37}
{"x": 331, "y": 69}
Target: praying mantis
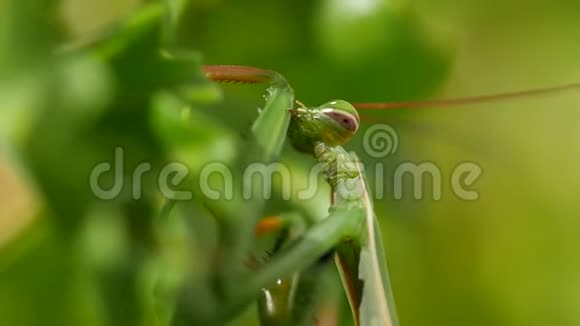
{"x": 319, "y": 131}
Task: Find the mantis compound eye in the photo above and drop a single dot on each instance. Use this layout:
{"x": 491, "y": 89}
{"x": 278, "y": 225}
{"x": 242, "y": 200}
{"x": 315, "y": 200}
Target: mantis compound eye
{"x": 343, "y": 113}
{"x": 339, "y": 122}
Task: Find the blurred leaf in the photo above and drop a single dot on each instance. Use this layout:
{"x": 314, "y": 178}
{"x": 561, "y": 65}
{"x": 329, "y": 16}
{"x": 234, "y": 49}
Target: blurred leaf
{"x": 383, "y": 43}
{"x": 29, "y": 31}
{"x": 57, "y": 284}
{"x": 192, "y": 138}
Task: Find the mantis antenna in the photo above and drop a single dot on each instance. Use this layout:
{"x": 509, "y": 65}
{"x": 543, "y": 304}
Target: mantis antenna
{"x": 445, "y": 103}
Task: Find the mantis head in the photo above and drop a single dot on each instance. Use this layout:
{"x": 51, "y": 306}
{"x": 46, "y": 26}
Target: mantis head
{"x": 333, "y": 123}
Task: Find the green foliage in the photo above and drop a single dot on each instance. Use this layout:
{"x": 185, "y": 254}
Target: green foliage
{"x": 70, "y": 258}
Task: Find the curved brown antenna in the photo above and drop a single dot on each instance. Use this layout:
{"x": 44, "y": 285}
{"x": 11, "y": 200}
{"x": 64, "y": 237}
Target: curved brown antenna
{"x": 445, "y": 103}
{"x": 239, "y": 74}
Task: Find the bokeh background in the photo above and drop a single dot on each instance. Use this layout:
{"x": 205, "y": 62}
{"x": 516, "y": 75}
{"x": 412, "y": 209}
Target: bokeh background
{"x": 508, "y": 258}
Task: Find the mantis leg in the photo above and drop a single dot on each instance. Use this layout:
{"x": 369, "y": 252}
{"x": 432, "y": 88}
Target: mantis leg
{"x": 238, "y": 217}
{"x": 294, "y": 300}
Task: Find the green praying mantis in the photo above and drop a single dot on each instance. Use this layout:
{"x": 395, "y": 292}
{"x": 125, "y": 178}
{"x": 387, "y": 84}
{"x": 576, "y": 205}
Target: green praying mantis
{"x": 351, "y": 226}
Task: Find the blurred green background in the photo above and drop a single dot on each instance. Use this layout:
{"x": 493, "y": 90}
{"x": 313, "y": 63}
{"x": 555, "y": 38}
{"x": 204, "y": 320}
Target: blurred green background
{"x": 508, "y": 258}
